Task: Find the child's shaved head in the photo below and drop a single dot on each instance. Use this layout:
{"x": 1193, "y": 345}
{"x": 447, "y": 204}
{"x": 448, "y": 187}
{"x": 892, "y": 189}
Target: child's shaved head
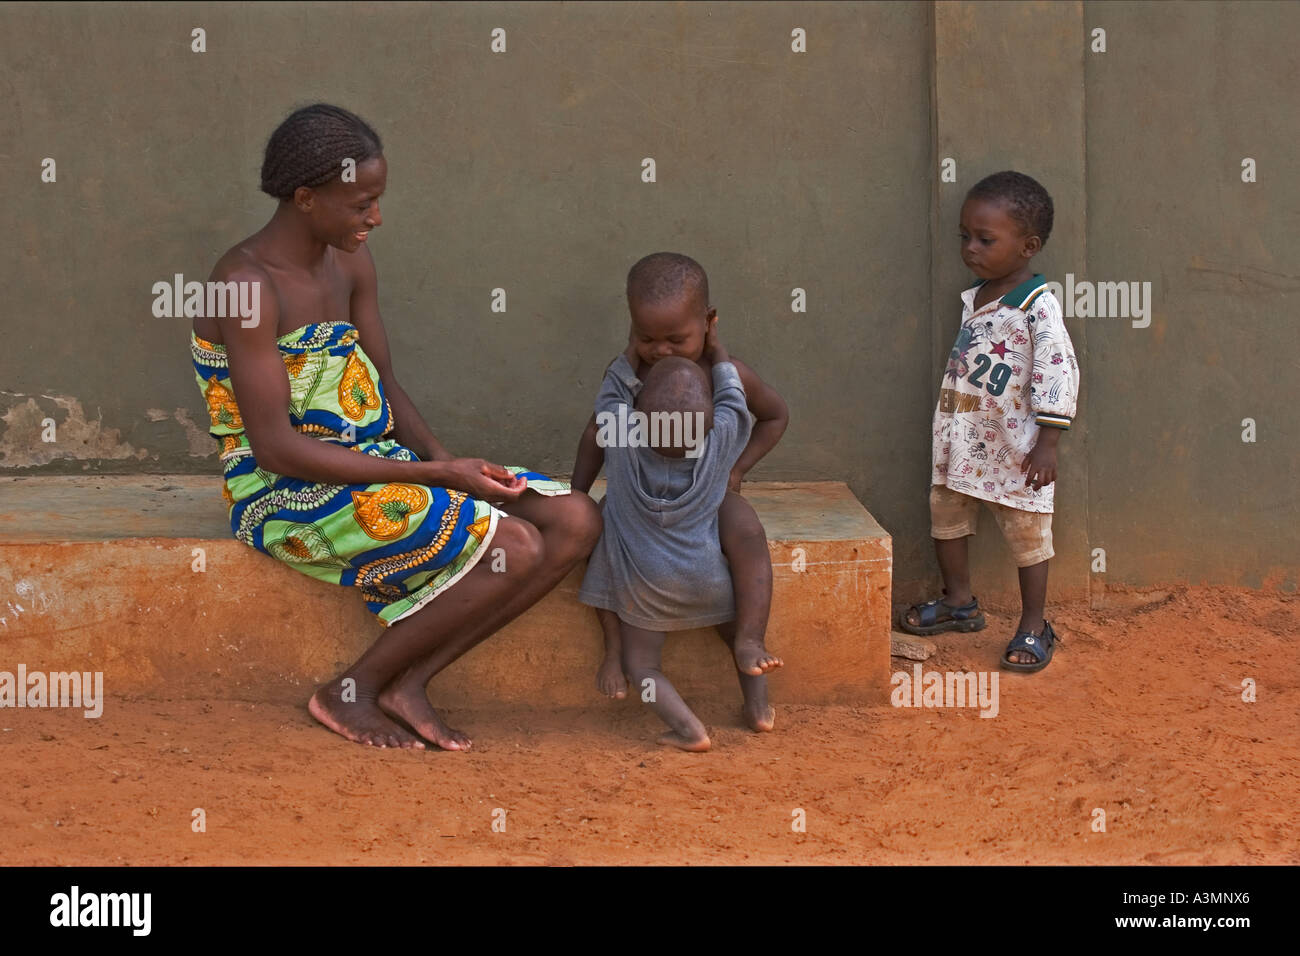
{"x": 1027, "y": 203}
{"x": 664, "y": 277}
{"x": 676, "y": 384}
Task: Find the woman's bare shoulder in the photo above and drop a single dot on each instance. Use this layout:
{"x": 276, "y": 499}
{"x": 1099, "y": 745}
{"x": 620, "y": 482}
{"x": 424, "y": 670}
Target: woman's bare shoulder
{"x": 240, "y": 264}
{"x": 240, "y": 261}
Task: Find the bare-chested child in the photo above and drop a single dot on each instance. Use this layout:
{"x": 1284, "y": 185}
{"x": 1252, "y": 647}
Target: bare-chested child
{"x": 672, "y": 319}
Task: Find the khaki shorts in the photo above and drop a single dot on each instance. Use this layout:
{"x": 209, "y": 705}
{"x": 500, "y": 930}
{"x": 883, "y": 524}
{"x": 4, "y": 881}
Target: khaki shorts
{"x": 1028, "y": 534}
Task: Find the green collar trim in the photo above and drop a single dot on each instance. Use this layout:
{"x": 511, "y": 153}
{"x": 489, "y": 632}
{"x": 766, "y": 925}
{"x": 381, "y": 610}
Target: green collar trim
{"x": 1021, "y": 295}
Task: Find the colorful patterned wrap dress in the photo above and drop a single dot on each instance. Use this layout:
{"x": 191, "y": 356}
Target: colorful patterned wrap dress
{"x": 401, "y": 544}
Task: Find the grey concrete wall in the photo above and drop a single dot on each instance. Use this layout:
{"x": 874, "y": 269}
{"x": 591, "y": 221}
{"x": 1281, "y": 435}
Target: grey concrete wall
{"x": 1183, "y": 95}
{"x": 775, "y": 169}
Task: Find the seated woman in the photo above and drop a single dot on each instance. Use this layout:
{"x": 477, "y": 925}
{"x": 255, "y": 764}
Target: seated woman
{"x": 330, "y": 469}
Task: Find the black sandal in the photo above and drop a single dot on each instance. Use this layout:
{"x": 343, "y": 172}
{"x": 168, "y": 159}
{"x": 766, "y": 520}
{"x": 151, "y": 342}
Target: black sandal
{"x": 1041, "y": 646}
{"x": 965, "y": 617}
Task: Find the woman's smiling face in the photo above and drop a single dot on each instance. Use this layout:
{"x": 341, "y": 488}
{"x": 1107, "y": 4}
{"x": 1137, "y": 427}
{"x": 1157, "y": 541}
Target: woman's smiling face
{"x": 343, "y": 213}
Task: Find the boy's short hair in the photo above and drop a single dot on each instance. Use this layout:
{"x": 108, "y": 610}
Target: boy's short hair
{"x": 665, "y": 277}
{"x": 1028, "y": 203}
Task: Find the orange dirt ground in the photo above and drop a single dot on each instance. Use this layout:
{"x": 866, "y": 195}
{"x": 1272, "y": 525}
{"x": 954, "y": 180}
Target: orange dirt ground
{"x": 1140, "y": 714}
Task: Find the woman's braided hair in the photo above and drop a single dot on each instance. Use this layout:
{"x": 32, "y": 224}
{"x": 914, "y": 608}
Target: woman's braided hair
{"x": 309, "y": 147}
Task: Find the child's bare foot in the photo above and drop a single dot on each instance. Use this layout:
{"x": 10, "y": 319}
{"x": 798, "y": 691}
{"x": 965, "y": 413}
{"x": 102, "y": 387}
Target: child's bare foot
{"x": 752, "y": 658}
{"x": 411, "y": 704}
{"x": 682, "y": 742}
{"x": 610, "y": 680}
{"x": 761, "y": 717}
{"x": 360, "y": 721}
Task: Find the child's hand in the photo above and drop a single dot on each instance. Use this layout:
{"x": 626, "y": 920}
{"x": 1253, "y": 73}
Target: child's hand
{"x": 1039, "y": 466}
{"x": 734, "y": 480}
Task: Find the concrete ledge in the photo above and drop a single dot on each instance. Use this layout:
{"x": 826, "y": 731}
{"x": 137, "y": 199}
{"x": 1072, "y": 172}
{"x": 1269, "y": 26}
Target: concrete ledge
{"x": 97, "y": 573}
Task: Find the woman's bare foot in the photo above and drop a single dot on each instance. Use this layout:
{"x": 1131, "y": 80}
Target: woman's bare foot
{"x": 358, "y": 720}
{"x": 752, "y": 658}
{"x": 411, "y": 704}
{"x": 694, "y": 745}
{"x": 610, "y": 680}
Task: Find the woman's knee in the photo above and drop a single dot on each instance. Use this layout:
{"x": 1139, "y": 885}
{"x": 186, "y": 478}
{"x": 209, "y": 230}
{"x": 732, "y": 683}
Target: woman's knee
{"x": 521, "y": 543}
{"x": 577, "y": 527}
{"x": 586, "y": 520}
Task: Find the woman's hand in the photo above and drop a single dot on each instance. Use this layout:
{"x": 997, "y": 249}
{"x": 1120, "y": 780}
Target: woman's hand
{"x": 481, "y": 479}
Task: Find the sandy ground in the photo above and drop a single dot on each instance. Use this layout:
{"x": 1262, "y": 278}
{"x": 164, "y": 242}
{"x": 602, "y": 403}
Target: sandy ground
{"x": 1140, "y": 715}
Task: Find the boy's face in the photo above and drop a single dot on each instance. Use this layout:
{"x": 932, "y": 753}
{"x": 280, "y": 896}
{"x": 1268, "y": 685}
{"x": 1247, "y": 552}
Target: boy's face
{"x": 670, "y": 328}
{"x": 992, "y": 243}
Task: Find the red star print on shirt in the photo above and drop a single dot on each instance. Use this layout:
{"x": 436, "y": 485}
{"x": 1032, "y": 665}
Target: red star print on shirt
{"x": 1000, "y": 349}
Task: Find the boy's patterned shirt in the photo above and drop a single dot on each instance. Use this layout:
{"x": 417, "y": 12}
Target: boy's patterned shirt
{"x": 1011, "y": 371}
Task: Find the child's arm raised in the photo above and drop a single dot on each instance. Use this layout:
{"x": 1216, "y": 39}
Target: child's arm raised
{"x": 591, "y": 457}
{"x": 772, "y": 416}
{"x": 766, "y": 404}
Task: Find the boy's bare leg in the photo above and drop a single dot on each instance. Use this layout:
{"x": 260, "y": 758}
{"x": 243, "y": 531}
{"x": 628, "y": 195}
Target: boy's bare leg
{"x": 357, "y": 712}
{"x": 1033, "y": 600}
{"x": 954, "y": 565}
{"x": 744, "y": 542}
{"x": 759, "y": 714}
{"x": 564, "y": 529}
{"x": 642, "y": 652}
{"x": 609, "y": 677}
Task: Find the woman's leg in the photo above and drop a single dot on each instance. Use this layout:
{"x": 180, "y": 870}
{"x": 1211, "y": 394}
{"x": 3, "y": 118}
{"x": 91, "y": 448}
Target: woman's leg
{"x": 562, "y": 531}
{"x": 351, "y": 705}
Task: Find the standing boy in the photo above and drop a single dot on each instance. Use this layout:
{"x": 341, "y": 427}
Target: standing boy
{"x": 1009, "y": 391}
